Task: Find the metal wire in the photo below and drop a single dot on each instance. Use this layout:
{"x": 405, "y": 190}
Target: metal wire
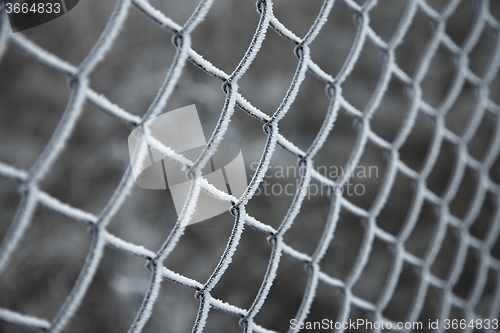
{"x": 33, "y": 196}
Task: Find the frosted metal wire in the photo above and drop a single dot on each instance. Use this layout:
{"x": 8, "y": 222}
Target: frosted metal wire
{"x": 32, "y": 196}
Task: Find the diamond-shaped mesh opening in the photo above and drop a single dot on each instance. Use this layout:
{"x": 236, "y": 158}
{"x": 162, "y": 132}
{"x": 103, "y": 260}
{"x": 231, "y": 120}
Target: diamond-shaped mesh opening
{"x": 392, "y": 111}
{"x": 203, "y": 243}
{"x": 358, "y": 92}
{"x": 409, "y": 53}
{"x": 342, "y": 252}
{"x": 405, "y": 289}
{"x": 84, "y": 33}
{"x": 375, "y": 273}
{"x": 306, "y": 116}
{"x": 240, "y": 285}
{"x": 291, "y": 275}
{"x": 494, "y": 9}
{"x": 449, "y": 245}
{"x": 425, "y": 224}
{"x": 459, "y": 115}
{"x": 222, "y": 322}
{"x": 367, "y": 179}
{"x": 485, "y": 219}
{"x": 386, "y": 17}
{"x": 483, "y": 51}
{"x": 439, "y": 77}
{"x": 297, "y": 15}
{"x": 92, "y": 162}
{"x": 331, "y": 47}
{"x": 392, "y": 216}
{"x": 464, "y": 195}
{"x": 24, "y": 115}
{"x": 50, "y": 240}
{"x": 495, "y": 249}
{"x": 461, "y": 21}
{"x": 273, "y": 67}
{"x": 147, "y": 224}
{"x": 335, "y": 157}
{"x": 442, "y": 172}
{"x": 465, "y": 282}
{"x": 309, "y": 226}
{"x": 439, "y": 5}
{"x": 494, "y": 86}
{"x": 8, "y": 204}
{"x": 119, "y": 283}
{"x": 494, "y": 172}
{"x": 120, "y": 78}
{"x": 417, "y": 145}
{"x": 483, "y": 137}
{"x": 431, "y": 305}
{"x": 232, "y": 43}
{"x": 177, "y": 308}
{"x": 485, "y": 301}
{"x": 182, "y": 8}
{"x": 326, "y": 303}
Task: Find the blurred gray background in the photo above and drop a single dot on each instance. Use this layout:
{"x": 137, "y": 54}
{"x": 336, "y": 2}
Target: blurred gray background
{"x": 48, "y": 260}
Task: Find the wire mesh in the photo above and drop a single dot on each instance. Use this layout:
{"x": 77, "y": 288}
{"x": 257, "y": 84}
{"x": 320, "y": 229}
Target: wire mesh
{"x": 81, "y": 93}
